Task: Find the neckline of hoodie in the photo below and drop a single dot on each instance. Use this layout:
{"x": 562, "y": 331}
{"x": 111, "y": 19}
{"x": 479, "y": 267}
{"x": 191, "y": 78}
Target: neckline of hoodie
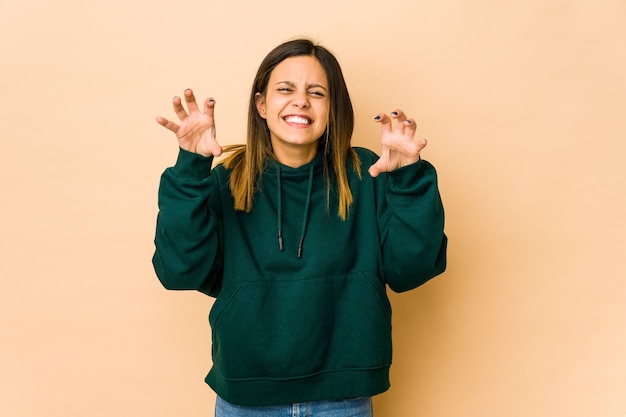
{"x": 303, "y": 170}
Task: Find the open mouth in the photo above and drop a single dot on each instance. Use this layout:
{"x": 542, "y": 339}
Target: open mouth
{"x": 301, "y": 120}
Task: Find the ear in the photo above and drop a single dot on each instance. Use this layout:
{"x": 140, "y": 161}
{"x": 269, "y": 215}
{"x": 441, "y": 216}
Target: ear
{"x": 260, "y": 105}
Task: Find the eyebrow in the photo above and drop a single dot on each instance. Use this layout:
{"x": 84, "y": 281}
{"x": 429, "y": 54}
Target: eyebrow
{"x": 291, "y": 84}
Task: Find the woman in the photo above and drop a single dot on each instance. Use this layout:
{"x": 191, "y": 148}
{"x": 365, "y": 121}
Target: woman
{"x": 297, "y": 234}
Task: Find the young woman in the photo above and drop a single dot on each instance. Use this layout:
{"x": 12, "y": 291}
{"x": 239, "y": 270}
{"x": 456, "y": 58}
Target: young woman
{"x": 297, "y": 234}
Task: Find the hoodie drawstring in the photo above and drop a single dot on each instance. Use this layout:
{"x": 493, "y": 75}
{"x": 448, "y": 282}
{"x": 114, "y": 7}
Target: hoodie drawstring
{"x": 306, "y": 211}
{"x": 280, "y": 210}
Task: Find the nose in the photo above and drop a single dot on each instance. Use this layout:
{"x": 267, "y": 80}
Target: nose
{"x": 301, "y": 99}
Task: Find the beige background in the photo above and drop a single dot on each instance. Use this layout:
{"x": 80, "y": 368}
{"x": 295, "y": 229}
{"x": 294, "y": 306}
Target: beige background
{"x": 524, "y": 106}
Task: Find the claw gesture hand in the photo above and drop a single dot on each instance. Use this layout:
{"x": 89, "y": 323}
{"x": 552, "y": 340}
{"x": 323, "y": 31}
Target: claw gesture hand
{"x": 196, "y": 131}
{"x": 398, "y": 147}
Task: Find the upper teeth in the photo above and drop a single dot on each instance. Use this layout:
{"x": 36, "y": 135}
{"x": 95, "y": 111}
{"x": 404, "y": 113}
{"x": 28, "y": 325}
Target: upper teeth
{"x": 297, "y": 119}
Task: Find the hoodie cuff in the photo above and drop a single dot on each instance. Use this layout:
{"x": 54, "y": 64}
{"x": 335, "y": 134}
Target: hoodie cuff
{"x": 192, "y": 165}
{"x": 408, "y": 175}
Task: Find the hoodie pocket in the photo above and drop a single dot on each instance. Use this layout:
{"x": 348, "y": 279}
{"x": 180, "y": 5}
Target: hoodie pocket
{"x": 294, "y": 329}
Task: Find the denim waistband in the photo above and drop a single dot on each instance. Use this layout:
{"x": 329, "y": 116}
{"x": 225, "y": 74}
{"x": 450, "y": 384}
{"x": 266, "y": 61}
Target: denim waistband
{"x": 353, "y": 407}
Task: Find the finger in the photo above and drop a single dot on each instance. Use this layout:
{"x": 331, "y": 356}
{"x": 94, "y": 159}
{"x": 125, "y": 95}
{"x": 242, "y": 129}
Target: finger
{"x": 161, "y": 120}
{"x": 375, "y": 169}
{"x": 398, "y": 115}
{"x": 167, "y": 124}
{"x": 190, "y": 99}
{"x": 409, "y": 127}
{"x": 401, "y": 118}
{"x": 422, "y": 144}
{"x": 215, "y": 148}
{"x": 209, "y": 106}
{"x": 179, "y": 109}
{"x": 382, "y": 164}
{"x": 385, "y": 122}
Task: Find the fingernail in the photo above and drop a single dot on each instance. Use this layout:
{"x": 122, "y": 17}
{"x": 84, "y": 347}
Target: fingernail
{"x": 395, "y": 113}
{"x": 408, "y": 122}
{"x": 211, "y": 100}
{"x": 377, "y": 118}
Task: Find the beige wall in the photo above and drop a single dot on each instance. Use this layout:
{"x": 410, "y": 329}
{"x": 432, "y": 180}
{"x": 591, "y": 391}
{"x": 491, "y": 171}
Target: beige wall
{"x": 524, "y": 105}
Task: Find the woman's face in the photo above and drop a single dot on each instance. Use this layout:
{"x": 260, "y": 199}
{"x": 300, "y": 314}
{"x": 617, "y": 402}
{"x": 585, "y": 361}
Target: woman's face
{"x": 295, "y": 107}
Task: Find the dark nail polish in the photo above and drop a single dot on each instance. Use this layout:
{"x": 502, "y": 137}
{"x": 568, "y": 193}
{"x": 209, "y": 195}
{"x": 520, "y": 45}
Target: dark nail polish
{"x": 377, "y": 118}
{"x": 395, "y": 113}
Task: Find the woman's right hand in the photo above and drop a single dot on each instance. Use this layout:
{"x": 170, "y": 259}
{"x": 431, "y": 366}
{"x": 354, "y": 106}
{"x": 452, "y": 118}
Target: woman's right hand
{"x": 196, "y": 131}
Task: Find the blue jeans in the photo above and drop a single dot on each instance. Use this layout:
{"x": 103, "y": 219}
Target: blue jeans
{"x": 350, "y": 407}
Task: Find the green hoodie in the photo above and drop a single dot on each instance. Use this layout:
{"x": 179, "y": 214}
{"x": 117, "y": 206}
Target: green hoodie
{"x": 301, "y": 311}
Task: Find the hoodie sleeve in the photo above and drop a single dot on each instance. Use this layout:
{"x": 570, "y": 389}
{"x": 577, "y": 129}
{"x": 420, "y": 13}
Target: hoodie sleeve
{"x": 187, "y": 255}
{"x": 412, "y": 226}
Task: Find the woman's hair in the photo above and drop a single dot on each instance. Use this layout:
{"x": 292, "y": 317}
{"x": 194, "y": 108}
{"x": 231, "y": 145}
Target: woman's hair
{"x": 247, "y": 162}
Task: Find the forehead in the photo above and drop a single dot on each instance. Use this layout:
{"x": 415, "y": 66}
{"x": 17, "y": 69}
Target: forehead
{"x": 307, "y": 69}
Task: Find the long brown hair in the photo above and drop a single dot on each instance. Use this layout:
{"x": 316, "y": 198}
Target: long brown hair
{"x": 247, "y": 162}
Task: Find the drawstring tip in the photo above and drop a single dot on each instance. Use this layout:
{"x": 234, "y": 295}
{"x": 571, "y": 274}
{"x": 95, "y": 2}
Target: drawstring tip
{"x": 280, "y": 240}
{"x": 300, "y": 248}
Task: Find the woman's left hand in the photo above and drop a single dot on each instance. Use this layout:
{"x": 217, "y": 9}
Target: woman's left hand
{"x": 398, "y": 145}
